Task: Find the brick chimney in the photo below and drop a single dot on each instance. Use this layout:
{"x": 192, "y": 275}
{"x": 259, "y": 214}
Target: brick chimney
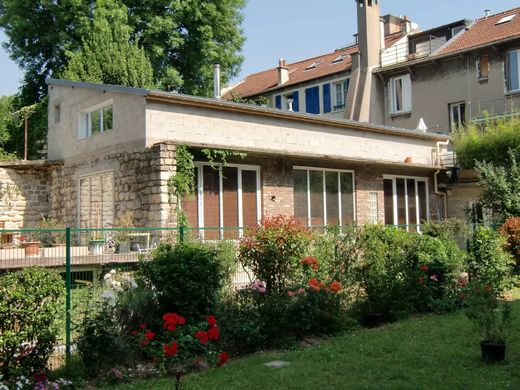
{"x": 283, "y": 72}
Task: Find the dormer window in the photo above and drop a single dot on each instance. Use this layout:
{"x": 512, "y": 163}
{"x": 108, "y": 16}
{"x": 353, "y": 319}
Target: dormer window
{"x": 312, "y": 66}
{"x": 98, "y": 119}
{"x": 505, "y": 19}
{"x": 339, "y": 58}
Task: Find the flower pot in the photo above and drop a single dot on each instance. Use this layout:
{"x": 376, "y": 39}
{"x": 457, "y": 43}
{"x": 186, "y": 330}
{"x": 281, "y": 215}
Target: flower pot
{"x": 32, "y": 249}
{"x": 373, "y": 320}
{"x": 95, "y": 247}
{"x": 492, "y": 352}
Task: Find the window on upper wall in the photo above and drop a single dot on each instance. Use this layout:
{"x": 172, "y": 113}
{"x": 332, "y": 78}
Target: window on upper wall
{"x": 57, "y": 113}
{"x": 513, "y": 71}
{"x": 291, "y": 101}
{"x": 312, "y": 100}
{"x": 96, "y": 200}
{"x": 483, "y": 67}
{"x": 457, "y": 115}
{"x": 456, "y": 30}
{"x": 95, "y": 121}
{"x": 323, "y": 197}
{"x": 400, "y": 94}
{"x": 226, "y": 200}
{"x": 406, "y": 201}
{"x": 340, "y": 90}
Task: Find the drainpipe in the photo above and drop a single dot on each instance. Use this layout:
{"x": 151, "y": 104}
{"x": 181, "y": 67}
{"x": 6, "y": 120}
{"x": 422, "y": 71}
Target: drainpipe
{"x": 216, "y": 81}
{"x": 436, "y": 182}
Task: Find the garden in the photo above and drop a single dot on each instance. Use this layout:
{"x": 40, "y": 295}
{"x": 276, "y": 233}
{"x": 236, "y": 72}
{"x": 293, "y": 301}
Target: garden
{"x": 358, "y": 305}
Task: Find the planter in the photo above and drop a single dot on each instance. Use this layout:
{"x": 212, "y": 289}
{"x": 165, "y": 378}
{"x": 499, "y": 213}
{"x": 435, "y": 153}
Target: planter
{"x": 77, "y": 251}
{"x": 123, "y": 247}
{"x": 56, "y": 251}
{"x": 95, "y": 247}
{"x": 492, "y": 352}
{"x": 373, "y": 320}
{"x": 32, "y": 249}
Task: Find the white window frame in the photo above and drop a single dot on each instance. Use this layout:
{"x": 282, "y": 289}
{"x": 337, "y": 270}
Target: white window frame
{"x": 323, "y": 170}
{"x": 417, "y": 203}
{"x": 78, "y": 191}
{"x": 373, "y": 204}
{"x": 334, "y": 92}
{"x": 456, "y": 30}
{"x": 84, "y": 127}
{"x": 406, "y": 92}
{"x": 458, "y": 106}
{"x": 200, "y": 196}
{"x": 508, "y": 71}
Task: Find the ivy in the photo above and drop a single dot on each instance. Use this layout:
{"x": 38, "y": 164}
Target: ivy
{"x": 218, "y": 157}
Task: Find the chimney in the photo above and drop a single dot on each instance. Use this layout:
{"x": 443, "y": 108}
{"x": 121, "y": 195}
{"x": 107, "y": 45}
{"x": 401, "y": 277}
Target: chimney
{"x": 407, "y": 24}
{"x": 383, "y": 43}
{"x": 216, "y": 81}
{"x": 283, "y": 72}
{"x": 487, "y": 12}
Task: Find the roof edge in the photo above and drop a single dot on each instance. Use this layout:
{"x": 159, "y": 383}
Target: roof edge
{"x": 99, "y": 87}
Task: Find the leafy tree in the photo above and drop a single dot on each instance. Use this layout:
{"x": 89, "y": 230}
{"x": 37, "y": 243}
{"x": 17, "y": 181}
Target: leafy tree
{"x": 107, "y": 54}
{"x": 261, "y": 101}
{"x": 501, "y": 186}
{"x": 6, "y": 118}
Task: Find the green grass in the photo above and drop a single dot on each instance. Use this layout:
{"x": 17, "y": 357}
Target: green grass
{"x": 428, "y": 352}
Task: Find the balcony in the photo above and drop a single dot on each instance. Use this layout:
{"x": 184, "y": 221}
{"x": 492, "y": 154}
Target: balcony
{"x": 401, "y": 52}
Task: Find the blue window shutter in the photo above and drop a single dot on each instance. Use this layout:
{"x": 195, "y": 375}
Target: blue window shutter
{"x": 312, "y": 100}
{"x": 296, "y": 101}
{"x": 278, "y": 102}
{"x": 326, "y": 98}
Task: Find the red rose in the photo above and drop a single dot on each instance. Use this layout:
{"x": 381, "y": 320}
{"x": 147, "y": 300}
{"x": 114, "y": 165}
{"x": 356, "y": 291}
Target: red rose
{"x": 149, "y": 335}
{"x": 202, "y": 336}
{"x": 223, "y": 357}
{"x": 212, "y": 321}
{"x": 335, "y": 286}
{"x": 170, "y": 350}
{"x": 144, "y": 343}
{"x": 424, "y": 267}
{"x": 171, "y": 320}
{"x": 214, "y": 333}
{"x": 143, "y": 326}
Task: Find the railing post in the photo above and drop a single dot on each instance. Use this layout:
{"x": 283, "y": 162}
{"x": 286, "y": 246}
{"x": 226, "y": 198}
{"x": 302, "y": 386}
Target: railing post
{"x": 68, "y": 282}
{"x": 182, "y": 232}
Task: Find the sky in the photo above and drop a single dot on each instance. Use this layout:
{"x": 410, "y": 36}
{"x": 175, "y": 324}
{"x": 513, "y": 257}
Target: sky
{"x": 299, "y": 29}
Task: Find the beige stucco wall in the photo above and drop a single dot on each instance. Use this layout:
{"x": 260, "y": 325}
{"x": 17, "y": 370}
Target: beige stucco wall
{"x": 203, "y": 126}
{"x": 460, "y": 197}
{"x": 436, "y": 85}
{"x": 128, "y": 122}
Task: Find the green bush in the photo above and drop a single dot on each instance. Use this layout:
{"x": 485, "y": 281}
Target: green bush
{"x": 488, "y": 263}
{"x": 186, "y": 278}
{"x": 273, "y": 249}
{"x": 29, "y": 308}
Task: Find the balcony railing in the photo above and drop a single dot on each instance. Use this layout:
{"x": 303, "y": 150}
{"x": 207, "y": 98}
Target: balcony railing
{"x": 400, "y": 52}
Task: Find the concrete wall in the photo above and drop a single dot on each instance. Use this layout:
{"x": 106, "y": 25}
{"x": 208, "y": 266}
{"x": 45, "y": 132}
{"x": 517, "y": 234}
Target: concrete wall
{"x": 27, "y": 199}
{"x": 128, "y": 122}
{"x": 436, "y": 85}
{"x": 460, "y": 198}
{"x": 221, "y": 129}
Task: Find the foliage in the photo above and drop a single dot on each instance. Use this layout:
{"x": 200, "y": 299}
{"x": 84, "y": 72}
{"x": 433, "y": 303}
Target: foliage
{"x": 28, "y": 310}
{"x": 511, "y": 231}
{"x": 273, "y": 249}
{"x": 491, "y": 316}
{"x": 107, "y": 53}
{"x": 186, "y": 278}
{"x": 262, "y": 101}
{"x": 6, "y": 119}
{"x": 488, "y": 264}
{"x": 490, "y": 144}
{"x": 220, "y": 156}
{"x": 183, "y": 39}
{"x": 501, "y": 186}
{"x": 454, "y": 229}
{"x": 125, "y": 221}
{"x": 46, "y": 234}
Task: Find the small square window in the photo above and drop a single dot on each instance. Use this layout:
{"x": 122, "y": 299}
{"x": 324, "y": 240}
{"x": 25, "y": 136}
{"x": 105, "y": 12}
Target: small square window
{"x": 483, "y": 67}
{"x": 57, "y": 113}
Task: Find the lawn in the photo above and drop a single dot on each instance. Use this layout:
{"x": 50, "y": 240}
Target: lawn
{"x": 422, "y": 352}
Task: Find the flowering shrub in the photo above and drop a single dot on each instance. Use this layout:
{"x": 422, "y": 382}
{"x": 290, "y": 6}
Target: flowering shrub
{"x": 511, "y": 231}
{"x": 273, "y": 250}
{"x": 28, "y": 310}
{"x": 38, "y": 382}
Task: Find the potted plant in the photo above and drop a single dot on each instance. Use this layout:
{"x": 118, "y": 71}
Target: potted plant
{"x": 51, "y": 235}
{"x": 122, "y": 237}
{"x": 493, "y": 318}
{"x": 30, "y": 244}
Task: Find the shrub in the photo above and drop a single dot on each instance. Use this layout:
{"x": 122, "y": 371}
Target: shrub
{"x": 185, "y": 277}
{"x": 28, "y": 311}
{"x": 511, "y": 231}
{"x": 487, "y": 262}
{"x": 273, "y": 249}
{"x": 454, "y": 229}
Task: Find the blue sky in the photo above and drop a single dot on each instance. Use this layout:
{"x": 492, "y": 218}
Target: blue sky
{"x": 298, "y": 29}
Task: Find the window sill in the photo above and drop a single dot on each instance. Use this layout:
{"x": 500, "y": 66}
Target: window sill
{"x": 483, "y": 80}
{"x": 400, "y": 113}
{"x": 513, "y": 93}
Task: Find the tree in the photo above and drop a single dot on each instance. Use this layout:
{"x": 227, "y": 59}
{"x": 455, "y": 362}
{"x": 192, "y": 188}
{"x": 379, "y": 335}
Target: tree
{"x": 7, "y": 126}
{"x": 501, "y": 186}
{"x": 107, "y": 54}
{"x": 182, "y": 38}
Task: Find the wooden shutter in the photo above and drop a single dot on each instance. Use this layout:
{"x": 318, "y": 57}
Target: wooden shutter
{"x": 326, "y": 98}
{"x": 296, "y": 101}
{"x": 278, "y": 102}
{"x": 312, "y": 100}
{"x": 407, "y": 93}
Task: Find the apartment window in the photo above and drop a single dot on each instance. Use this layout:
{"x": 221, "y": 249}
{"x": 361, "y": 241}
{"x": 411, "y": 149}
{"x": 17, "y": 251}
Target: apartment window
{"x": 483, "y": 67}
{"x": 225, "y": 198}
{"x": 291, "y": 101}
{"x": 96, "y": 200}
{"x": 400, "y": 94}
{"x": 406, "y": 201}
{"x": 95, "y": 121}
{"x": 457, "y": 115}
{"x": 373, "y": 206}
{"x": 513, "y": 70}
{"x": 341, "y": 90}
{"x": 323, "y": 197}
{"x": 57, "y": 113}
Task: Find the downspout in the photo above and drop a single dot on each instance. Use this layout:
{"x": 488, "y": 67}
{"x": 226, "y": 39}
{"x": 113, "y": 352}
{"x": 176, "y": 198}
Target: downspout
{"x": 436, "y": 182}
